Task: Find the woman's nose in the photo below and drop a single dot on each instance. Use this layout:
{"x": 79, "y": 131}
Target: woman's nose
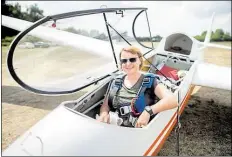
{"x": 128, "y": 63}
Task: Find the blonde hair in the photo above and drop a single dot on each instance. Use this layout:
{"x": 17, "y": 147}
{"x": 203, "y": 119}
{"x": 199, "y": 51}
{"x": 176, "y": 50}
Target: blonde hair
{"x": 133, "y": 50}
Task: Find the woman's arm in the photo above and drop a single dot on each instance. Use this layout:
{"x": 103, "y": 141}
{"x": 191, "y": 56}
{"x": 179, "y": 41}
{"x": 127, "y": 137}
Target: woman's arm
{"x": 104, "y": 110}
{"x": 105, "y": 107}
{"x": 167, "y": 99}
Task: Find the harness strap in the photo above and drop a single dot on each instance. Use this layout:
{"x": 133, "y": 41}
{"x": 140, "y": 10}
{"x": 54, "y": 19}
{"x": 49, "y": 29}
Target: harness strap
{"x": 140, "y": 99}
{"x": 114, "y": 90}
{"x": 145, "y": 84}
{"x": 137, "y": 105}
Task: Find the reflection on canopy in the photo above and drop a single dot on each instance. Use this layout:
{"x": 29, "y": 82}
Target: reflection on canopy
{"x": 47, "y": 58}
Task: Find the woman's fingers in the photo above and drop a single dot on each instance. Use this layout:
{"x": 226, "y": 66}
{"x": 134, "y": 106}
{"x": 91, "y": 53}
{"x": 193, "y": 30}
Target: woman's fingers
{"x": 136, "y": 124}
{"x": 140, "y": 124}
{"x": 104, "y": 118}
{"x": 107, "y": 118}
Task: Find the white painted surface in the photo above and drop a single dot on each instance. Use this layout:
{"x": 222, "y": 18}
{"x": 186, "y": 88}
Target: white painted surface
{"x": 211, "y": 75}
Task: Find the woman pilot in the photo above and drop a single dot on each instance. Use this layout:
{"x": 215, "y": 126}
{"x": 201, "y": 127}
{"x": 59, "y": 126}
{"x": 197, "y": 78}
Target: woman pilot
{"x": 123, "y": 96}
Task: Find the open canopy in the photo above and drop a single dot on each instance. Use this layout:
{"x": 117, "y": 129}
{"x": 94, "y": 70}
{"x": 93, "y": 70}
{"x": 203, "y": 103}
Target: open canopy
{"x": 66, "y": 52}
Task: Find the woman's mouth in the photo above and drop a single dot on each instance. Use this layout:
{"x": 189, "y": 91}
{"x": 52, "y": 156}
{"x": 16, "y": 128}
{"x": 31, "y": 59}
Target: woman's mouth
{"x": 129, "y": 68}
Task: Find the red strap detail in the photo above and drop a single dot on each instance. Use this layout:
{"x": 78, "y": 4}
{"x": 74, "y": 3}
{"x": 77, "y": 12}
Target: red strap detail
{"x": 132, "y": 106}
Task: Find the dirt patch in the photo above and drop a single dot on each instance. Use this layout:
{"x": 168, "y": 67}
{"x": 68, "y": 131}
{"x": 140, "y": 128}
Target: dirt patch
{"x": 206, "y": 126}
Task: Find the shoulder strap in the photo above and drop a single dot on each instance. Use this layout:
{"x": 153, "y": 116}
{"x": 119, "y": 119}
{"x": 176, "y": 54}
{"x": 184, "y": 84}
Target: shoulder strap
{"x": 115, "y": 86}
{"x": 147, "y": 83}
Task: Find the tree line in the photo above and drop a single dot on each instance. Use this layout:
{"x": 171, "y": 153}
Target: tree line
{"x": 32, "y": 14}
{"x": 218, "y": 35}
{"x": 114, "y": 36}
{"x": 92, "y": 33}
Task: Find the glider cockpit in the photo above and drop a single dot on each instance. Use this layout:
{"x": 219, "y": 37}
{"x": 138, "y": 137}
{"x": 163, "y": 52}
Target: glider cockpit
{"x": 167, "y": 63}
{"x": 74, "y": 60}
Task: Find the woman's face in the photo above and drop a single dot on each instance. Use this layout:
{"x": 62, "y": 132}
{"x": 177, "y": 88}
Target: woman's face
{"x": 130, "y": 62}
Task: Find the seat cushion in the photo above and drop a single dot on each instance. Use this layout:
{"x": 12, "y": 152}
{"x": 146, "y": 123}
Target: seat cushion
{"x": 169, "y": 72}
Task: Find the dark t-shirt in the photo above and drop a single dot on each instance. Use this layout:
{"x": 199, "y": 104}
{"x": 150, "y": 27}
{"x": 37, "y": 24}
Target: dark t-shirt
{"x": 125, "y": 94}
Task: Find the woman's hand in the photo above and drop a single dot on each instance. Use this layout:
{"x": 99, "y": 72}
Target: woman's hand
{"x": 104, "y": 117}
{"x": 143, "y": 120}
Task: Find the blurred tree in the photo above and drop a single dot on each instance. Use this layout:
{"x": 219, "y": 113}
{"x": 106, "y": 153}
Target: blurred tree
{"x": 72, "y": 30}
{"x": 32, "y": 14}
{"x": 203, "y": 34}
{"x": 32, "y": 39}
{"x": 218, "y": 35}
{"x": 156, "y": 38}
{"x": 220, "y": 32}
{"x": 102, "y": 36}
{"x": 15, "y": 11}
{"x": 199, "y": 37}
{"x": 84, "y": 32}
{"x": 94, "y": 33}
{"x": 124, "y": 34}
{"x": 226, "y": 37}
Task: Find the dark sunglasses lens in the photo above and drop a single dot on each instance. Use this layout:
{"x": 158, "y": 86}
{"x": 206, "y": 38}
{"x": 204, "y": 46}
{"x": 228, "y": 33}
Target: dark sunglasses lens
{"x": 123, "y": 61}
{"x": 132, "y": 60}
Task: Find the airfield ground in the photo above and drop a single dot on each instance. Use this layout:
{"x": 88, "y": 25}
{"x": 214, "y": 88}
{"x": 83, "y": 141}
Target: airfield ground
{"x": 206, "y": 122}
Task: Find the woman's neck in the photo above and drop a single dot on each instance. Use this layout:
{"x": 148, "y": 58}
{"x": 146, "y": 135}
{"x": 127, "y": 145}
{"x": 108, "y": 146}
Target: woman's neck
{"x": 133, "y": 76}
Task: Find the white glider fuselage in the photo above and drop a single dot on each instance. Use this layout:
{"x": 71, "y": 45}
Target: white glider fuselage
{"x": 89, "y": 137}
{"x": 68, "y": 132}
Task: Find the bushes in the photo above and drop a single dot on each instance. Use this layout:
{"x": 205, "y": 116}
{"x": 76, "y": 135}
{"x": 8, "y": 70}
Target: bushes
{"x": 6, "y": 44}
{"x": 7, "y": 40}
{"x": 200, "y": 38}
{"x": 218, "y": 35}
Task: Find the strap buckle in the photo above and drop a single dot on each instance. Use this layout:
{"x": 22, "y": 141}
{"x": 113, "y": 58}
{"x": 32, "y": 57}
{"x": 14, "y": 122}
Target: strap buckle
{"x": 146, "y": 80}
{"x": 118, "y": 82}
{"x": 124, "y": 110}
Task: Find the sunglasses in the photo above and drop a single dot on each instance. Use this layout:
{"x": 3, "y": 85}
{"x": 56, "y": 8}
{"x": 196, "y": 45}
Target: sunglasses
{"x": 132, "y": 60}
